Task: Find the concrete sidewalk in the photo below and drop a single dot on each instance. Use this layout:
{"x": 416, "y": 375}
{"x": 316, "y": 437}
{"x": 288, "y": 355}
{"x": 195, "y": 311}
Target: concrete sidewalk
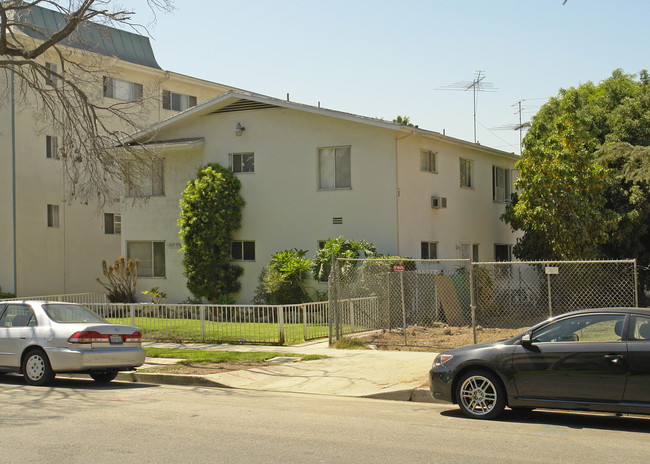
{"x": 397, "y": 375}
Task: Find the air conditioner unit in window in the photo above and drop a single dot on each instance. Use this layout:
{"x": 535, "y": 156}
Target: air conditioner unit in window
{"x": 438, "y": 202}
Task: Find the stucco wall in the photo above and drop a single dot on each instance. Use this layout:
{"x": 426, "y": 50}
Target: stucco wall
{"x": 471, "y": 215}
{"x": 284, "y": 208}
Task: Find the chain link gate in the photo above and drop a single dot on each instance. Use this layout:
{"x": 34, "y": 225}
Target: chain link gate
{"x": 393, "y": 294}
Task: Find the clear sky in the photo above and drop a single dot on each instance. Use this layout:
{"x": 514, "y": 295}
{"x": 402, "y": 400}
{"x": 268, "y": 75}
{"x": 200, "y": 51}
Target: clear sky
{"x": 382, "y": 58}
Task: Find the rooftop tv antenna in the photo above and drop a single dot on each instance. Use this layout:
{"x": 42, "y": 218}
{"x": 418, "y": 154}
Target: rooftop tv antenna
{"x": 478, "y": 84}
{"x": 520, "y": 109}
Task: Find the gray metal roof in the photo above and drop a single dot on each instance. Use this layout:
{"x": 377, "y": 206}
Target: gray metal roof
{"x": 92, "y": 37}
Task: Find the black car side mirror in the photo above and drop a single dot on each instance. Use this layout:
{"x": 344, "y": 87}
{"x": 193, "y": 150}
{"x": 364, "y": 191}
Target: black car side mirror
{"x": 526, "y": 339}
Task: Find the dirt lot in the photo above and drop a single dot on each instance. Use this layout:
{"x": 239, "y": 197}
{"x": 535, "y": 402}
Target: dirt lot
{"x": 436, "y": 338}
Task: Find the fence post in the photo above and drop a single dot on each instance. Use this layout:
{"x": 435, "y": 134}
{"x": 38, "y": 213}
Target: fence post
{"x": 472, "y": 299}
{"x": 202, "y": 315}
{"x": 303, "y": 307}
{"x": 132, "y": 308}
{"x": 636, "y": 287}
{"x": 280, "y": 310}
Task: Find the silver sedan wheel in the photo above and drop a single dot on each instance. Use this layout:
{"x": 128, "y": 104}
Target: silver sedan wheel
{"x": 37, "y": 369}
{"x": 478, "y": 395}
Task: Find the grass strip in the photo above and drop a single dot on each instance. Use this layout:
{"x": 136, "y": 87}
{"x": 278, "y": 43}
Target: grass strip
{"x": 215, "y": 356}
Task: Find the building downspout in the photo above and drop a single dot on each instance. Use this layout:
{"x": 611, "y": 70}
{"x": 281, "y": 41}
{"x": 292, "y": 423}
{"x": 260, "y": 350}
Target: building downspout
{"x": 13, "y": 176}
{"x": 397, "y": 193}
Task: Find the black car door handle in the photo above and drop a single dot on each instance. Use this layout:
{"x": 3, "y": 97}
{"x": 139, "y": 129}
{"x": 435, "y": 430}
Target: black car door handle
{"x": 614, "y": 358}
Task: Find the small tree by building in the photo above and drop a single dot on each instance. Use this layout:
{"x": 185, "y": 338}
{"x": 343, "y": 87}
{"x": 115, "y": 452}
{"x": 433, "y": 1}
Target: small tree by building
{"x": 210, "y": 211}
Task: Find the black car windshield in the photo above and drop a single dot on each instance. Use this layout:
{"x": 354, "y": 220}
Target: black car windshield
{"x": 70, "y": 314}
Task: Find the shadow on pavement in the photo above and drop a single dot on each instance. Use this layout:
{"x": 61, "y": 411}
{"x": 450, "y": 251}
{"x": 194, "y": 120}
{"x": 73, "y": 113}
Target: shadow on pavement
{"x": 61, "y": 381}
{"x": 570, "y": 419}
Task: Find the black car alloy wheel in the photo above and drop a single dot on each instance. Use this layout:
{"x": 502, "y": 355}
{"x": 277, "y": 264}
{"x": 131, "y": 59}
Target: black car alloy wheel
{"x": 480, "y": 395}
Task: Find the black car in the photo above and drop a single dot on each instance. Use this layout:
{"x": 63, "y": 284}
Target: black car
{"x": 593, "y": 360}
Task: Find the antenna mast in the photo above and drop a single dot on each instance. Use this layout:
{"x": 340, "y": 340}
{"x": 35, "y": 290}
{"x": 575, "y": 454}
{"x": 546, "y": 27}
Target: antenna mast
{"x": 478, "y": 84}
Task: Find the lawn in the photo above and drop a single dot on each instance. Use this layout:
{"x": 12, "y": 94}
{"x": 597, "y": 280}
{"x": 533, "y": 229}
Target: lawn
{"x": 154, "y": 328}
{"x": 213, "y": 356}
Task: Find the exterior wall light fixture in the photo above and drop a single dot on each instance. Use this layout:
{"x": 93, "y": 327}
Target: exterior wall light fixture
{"x": 239, "y": 129}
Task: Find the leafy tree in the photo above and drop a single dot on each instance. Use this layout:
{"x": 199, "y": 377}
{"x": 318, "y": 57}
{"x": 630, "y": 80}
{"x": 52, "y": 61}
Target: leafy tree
{"x": 89, "y": 128}
{"x": 210, "y": 211}
{"x": 284, "y": 280}
{"x": 563, "y": 182}
{"x": 403, "y": 120}
{"x": 340, "y": 248}
{"x": 584, "y": 174}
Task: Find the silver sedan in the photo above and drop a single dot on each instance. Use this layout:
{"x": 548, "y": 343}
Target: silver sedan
{"x": 40, "y": 339}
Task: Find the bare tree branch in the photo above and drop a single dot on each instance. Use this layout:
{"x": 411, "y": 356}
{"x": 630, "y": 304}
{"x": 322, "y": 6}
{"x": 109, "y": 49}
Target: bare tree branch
{"x": 67, "y": 99}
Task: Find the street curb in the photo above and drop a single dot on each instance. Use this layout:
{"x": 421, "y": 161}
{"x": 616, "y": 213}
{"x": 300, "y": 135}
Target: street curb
{"x": 416, "y": 395}
{"x": 169, "y": 379}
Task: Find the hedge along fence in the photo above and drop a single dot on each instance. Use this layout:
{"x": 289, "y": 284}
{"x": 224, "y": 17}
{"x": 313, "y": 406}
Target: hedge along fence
{"x": 272, "y": 324}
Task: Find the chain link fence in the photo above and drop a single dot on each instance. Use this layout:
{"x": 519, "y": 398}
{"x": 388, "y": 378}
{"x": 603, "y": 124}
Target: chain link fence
{"x": 394, "y": 294}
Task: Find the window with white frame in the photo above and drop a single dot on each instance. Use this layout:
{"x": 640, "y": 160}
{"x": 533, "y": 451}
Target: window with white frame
{"x": 53, "y": 216}
{"x": 469, "y": 251}
{"x": 177, "y": 101}
{"x": 466, "y": 173}
{"x": 429, "y": 250}
{"x": 150, "y": 256}
{"x": 428, "y": 161}
{"x": 145, "y": 178}
{"x": 334, "y": 168}
{"x": 242, "y": 162}
{"x": 51, "y": 147}
{"x": 242, "y": 250}
{"x": 501, "y": 184}
{"x": 50, "y": 78}
{"x": 112, "y": 224}
{"x": 122, "y": 90}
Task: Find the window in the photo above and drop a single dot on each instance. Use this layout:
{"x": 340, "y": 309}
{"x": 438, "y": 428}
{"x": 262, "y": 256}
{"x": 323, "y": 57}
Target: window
{"x": 122, "y": 90}
{"x": 243, "y": 251}
{"x": 428, "y": 161}
{"x": 589, "y": 328}
{"x": 112, "y": 224}
{"x": 500, "y": 184}
{"x": 177, "y": 101}
{"x": 469, "y": 250}
{"x": 502, "y": 252}
{"x": 242, "y": 162}
{"x": 145, "y": 178}
{"x": 51, "y": 147}
{"x": 429, "y": 250}
{"x": 640, "y": 328}
{"x": 50, "y": 79}
{"x": 334, "y": 168}
{"x": 53, "y": 216}
{"x": 18, "y": 315}
{"x": 150, "y": 256}
{"x": 466, "y": 173}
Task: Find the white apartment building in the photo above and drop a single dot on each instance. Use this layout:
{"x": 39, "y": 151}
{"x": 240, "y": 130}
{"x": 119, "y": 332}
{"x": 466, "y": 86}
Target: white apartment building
{"x": 309, "y": 174}
{"x": 48, "y": 246}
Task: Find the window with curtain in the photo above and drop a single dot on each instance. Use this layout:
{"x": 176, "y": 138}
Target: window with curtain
{"x": 122, "y": 90}
{"x": 334, "y": 168}
{"x": 145, "y": 178}
{"x": 177, "y": 101}
{"x": 428, "y": 161}
{"x": 466, "y": 173}
{"x": 150, "y": 256}
{"x": 500, "y": 184}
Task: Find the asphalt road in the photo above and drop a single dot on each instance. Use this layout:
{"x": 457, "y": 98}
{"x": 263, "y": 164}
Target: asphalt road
{"x": 78, "y": 421}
